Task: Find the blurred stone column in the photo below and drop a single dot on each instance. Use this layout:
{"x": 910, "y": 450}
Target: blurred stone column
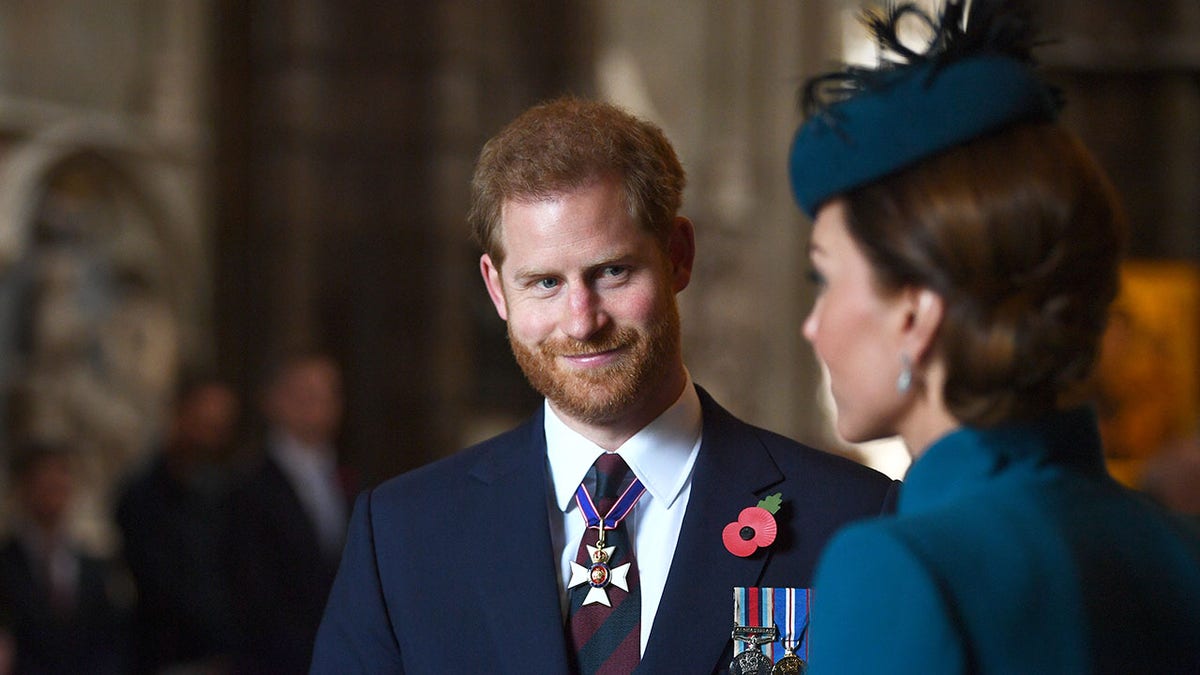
{"x": 722, "y": 80}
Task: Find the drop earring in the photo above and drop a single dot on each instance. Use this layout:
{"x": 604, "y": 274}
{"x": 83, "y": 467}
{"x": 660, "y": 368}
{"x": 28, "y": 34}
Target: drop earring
{"x": 904, "y": 381}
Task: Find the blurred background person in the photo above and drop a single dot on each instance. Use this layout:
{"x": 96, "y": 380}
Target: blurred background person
{"x": 288, "y": 517}
{"x": 170, "y": 515}
{"x": 68, "y": 609}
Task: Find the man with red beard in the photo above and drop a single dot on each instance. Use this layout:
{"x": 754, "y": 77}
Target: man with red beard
{"x": 594, "y": 538}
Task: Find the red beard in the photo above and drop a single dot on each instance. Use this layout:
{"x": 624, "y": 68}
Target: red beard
{"x": 603, "y": 394}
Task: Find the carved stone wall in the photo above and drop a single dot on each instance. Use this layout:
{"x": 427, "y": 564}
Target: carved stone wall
{"x": 721, "y": 78}
{"x": 102, "y": 232}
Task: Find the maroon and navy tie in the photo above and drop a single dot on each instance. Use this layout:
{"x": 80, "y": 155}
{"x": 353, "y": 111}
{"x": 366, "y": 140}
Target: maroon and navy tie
{"x": 605, "y": 618}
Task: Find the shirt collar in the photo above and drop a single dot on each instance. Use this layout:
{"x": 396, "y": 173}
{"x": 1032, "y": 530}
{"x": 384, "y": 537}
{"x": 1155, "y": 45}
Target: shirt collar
{"x": 661, "y": 454}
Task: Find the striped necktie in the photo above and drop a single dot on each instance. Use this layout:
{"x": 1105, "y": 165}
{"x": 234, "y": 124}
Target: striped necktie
{"x": 605, "y": 619}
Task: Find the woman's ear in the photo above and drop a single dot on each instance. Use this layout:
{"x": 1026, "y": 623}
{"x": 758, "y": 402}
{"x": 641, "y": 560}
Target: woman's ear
{"x": 926, "y": 310}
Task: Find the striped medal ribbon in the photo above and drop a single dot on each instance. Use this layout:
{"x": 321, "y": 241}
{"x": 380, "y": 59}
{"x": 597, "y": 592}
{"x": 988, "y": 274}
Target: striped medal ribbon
{"x": 600, "y": 574}
{"x": 773, "y": 623}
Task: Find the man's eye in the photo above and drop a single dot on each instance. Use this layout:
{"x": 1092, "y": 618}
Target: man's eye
{"x": 614, "y": 270}
{"x": 547, "y": 283}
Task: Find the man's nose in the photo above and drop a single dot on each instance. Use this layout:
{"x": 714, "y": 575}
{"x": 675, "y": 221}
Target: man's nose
{"x": 585, "y": 314}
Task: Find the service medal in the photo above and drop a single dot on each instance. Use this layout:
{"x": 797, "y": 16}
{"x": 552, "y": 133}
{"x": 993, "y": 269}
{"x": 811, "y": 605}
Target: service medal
{"x": 599, "y": 574}
{"x": 790, "y": 664}
{"x": 750, "y": 662}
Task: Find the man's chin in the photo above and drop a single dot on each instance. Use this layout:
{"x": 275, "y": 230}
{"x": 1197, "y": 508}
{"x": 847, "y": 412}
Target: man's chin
{"x": 596, "y": 414}
{"x": 591, "y": 403}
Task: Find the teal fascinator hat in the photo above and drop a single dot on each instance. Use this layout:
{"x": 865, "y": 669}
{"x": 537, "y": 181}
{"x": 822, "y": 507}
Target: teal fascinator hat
{"x": 977, "y": 76}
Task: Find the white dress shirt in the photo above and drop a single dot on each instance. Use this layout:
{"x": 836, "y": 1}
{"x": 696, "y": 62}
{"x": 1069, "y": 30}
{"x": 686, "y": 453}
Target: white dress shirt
{"x": 312, "y": 472}
{"x": 661, "y": 455}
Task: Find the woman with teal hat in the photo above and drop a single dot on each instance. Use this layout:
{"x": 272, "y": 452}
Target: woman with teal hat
{"x": 966, "y": 249}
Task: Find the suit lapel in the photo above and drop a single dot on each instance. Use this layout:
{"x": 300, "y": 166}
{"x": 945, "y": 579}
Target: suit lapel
{"x": 517, "y": 584}
{"x": 695, "y": 617}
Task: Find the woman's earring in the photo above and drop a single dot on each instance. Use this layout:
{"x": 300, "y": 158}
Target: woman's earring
{"x": 904, "y": 382}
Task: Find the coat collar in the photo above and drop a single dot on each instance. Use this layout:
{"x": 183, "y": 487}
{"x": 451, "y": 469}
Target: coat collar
{"x": 964, "y": 459}
{"x": 695, "y": 618}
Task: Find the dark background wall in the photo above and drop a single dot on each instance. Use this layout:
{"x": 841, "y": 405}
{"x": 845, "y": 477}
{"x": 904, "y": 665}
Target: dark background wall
{"x": 346, "y": 133}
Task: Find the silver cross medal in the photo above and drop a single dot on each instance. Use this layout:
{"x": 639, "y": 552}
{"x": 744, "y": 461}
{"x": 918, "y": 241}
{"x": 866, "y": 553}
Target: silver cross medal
{"x": 599, "y": 575}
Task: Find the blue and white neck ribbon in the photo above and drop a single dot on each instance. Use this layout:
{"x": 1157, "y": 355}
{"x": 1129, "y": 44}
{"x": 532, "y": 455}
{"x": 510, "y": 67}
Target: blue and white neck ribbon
{"x": 600, "y": 572}
{"x": 623, "y": 506}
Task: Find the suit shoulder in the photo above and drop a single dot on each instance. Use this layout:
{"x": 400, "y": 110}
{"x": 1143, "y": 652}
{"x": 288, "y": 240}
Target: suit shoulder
{"x": 825, "y": 485}
{"x": 463, "y": 469}
{"x": 257, "y": 480}
{"x": 790, "y": 454}
{"x": 794, "y": 457}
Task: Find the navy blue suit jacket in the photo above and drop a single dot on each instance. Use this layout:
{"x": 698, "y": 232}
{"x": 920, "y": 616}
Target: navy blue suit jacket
{"x": 449, "y": 568}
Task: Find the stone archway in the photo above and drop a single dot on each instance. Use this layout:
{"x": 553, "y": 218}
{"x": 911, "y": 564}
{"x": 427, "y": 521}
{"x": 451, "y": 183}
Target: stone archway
{"x": 92, "y": 291}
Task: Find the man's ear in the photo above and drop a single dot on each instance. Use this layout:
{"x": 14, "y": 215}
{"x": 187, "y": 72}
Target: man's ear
{"x": 495, "y": 287}
{"x": 926, "y": 309}
{"x": 681, "y": 251}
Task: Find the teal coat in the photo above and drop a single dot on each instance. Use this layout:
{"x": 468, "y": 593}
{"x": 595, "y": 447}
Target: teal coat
{"x": 1012, "y": 551}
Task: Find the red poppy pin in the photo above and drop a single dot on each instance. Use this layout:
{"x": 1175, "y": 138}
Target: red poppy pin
{"x": 754, "y": 528}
